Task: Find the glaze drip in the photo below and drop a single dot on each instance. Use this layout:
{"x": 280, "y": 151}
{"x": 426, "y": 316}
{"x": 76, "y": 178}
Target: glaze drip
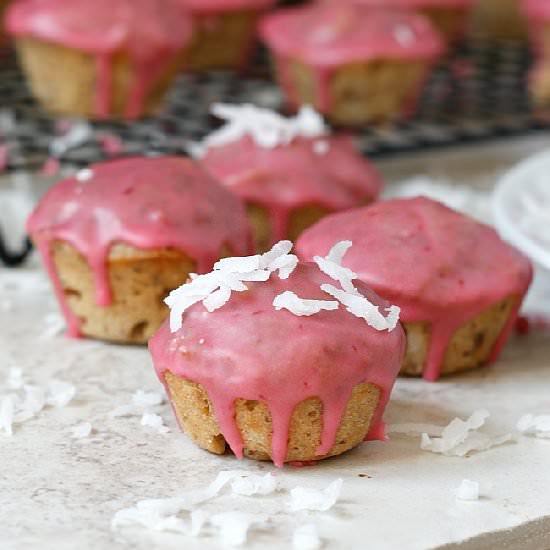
{"x": 248, "y": 350}
{"x": 147, "y": 203}
{"x": 437, "y": 265}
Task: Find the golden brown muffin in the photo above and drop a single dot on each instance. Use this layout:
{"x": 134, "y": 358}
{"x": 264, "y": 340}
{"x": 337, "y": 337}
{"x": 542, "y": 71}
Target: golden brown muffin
{"x": 119, "y": 65}
{"x": 119, "y": 236}
{"x": 355, "y": 64}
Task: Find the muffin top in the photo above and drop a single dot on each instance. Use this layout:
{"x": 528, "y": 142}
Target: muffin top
{"x": 286, "y": 336}
{"x": 422, "y": 255}
{"x": 285, "y": 163}
{"x": 147, "y": 203}
{"x": 537, "y": 9}
{"x": 220, "y": 6}
{"x": 144, "y": 28}
{"x": 329, "y": 35}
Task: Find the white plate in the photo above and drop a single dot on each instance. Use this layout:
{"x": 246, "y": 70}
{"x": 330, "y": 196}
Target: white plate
{"x": 521, "y": 207}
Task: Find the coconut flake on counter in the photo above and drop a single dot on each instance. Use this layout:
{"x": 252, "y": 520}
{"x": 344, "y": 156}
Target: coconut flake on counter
{"x": 81, "y": 431}
{"x": 230, "y": 274}
{"x": 24, "y": 401}
{"x": 141, "y": 402}
{"x": 538, "y": 426}
{"x": 467, "y": 490}
{"x": 462, "y": 437}
{"x": 76, "y": 136}
{"x": 234, "y": 526}
{"x": 155, "y": 421}
{"x": 306, "y": 537}
{"x": 54, "y": 325}
{"x": 305, "y": 498}
{"x": 253, "y": 484}
{"x": 267, "y": 128}
{"x": 300, "y": 306}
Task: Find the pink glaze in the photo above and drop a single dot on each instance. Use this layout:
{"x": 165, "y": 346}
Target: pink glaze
{"x": 150, "y": 32}
{"x": 147, "y": 203}
{"x": 537, "y": 9}
{"x": 439, "y": 266}
{"x": 288, "y": 177}
{"x": 328, "y": 36}
{"x": 223, "y": 6}
{"x": 247, "y": 349}
{"x": 411, "y": 4}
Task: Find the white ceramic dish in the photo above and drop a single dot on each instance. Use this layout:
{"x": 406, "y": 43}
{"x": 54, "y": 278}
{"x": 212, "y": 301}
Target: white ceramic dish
{"x": 521, "y": 208}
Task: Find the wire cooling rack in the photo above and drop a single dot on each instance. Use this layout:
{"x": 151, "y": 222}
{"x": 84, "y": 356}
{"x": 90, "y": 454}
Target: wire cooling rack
{"x": 478, "y": 94}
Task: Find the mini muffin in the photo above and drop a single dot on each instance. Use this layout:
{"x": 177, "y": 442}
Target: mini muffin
{"x": 449, "y": 17}
{"x": 538, "y": 14}
{"x": 354, "y": 64}
{"x": 118, "y": 237}
{"x": 290, "y": 172}
{"x": 224, "y": 33}
{"x": 499, "y": 20}
{"x": 281, "y": 370}
{"x": 459, "y": 286}
{"x": 100, "y": 59}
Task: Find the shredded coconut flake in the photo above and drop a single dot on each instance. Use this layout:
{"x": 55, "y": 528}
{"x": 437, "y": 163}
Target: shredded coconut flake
{"x": 462, "y": 437}
{"x": 229, "y": 275}
{"x": 59, "y": 393}
{"x": 300, "y": 306}
{"x": 54, "y": 325}
{"x": 155, "y": 421}
{"x": 267, "y": 128}
{"x": 15, "y": 379}
{"x": 78, "y": 134}
{"x": 539, "y": 426}
{"x": 348, "y": 295}
{"x": 306, "y": 537}
{"x": 304, "y": 498}
{"x": 144, "y": 399}
{"x": 81, "y": 431}
{"x": 321, "y": 147}
{"x": 84, "y": 175}
{"x": 254, "y": 485}
{"x": 7, "y": 412}
{"x": 234, "y": 526}
{"x": 467, "y": 490}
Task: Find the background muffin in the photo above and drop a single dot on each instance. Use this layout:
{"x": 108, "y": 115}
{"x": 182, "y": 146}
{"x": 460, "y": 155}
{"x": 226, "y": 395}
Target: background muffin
{"x": 354, "y": 64}
{"x": 100, "y": 59}
{"x": 290, "y": 172}
{"x": 271, "y": 375}
{"x": 459, "y": 286}
{"x": 499, "y": 20}
{"x": 117, "y": 238}
{"x": 224, "y": 33}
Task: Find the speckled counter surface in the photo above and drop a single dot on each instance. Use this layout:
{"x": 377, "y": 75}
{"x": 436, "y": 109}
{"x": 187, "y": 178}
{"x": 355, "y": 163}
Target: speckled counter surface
{"x": 59, "y": 493}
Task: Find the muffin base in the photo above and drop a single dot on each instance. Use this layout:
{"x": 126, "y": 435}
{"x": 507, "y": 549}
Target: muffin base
{"x": 299, "y": 220}
{"x": 139, "y": 281}
{"x": 358, "y": 93}
{"x": 65, "y": 81}
{"x": 450, "y": 22}
{"x": 222, "y": 41}
{"x": 470, "y": 347}
{"x": 195, "y": 415}
{"x": 499, "y": 20}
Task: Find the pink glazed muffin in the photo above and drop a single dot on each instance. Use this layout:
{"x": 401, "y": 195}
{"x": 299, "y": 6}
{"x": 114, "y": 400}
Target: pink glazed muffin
{"x": 459, "y": 286}
{"x": 119, "y": 236}
{"x": 290, "y": 172}
{"x": 101, "y": 58}
{"x": 281, "y": 369}
{"x": 354, "y": 64}
{"x": 224, "y": 32}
